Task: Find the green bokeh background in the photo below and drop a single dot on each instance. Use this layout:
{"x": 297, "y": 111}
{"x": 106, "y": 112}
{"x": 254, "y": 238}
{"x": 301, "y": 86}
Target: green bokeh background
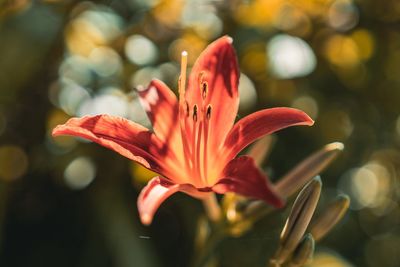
{"x": 353, "y": 93}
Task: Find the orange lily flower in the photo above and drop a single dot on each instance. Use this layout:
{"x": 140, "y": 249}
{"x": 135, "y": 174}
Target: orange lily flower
{"x": 194, "y": 142}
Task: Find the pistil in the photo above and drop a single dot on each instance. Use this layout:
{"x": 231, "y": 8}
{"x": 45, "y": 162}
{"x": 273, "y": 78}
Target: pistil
{"x": 184, "y": 110}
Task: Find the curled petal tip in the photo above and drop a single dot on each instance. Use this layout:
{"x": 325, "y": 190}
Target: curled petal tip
{"x": 309, "y": 121}
{"x": 55, "y": 131}
{"x": 335, "y": 146}
{"x": 58, "y": 130}
{"x": 229, "y": 39}
{"x": 305, "y": 119}
{"x": 146, "y": 219}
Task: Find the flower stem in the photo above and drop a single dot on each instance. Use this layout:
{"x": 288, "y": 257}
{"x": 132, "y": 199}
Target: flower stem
{"x": 205, "y": 254}
{"x": 212, "y": 208}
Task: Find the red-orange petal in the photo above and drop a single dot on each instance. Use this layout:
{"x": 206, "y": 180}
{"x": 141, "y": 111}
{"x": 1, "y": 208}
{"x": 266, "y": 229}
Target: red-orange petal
{"x": 152, "y": 195}
{"x": 242, "y": 176}
{"x": 261, "y": 123}
{"x": 161, "y": 106}
{"x": 123, "y": 136}
{"x": 217, "y": 70}
{"x": 156, "y": 192}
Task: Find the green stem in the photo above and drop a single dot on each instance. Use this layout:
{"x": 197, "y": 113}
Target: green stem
{"x": 205, "y": 252}
{"x": 212, "y": 208}
{"x": 203, "y": 256}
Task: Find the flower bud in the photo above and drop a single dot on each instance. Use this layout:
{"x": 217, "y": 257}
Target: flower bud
{"x": 330, "y": 217}
{"x": 298, "y": 220}
{"x": 304, "y": 252}
{"x": 307, "y": 169}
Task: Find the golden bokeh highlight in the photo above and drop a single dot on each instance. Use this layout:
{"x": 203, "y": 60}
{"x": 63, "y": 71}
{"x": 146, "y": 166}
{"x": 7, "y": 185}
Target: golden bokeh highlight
{"x": 293, "y": 20}
{"x": 365, "y": 43}
{"x": 314, "y": 8}
{"x": 55, "y": 118}
{"x": 168, "y": 12}
{"x": 342, "y": 51}
{"x": 261, "y": 13}
{"x": 325, "y": 259}
{"x": 190, "y": 43}
{"x": 13, "y": 163}
{"x": 82, "y": 37}
{"x": 254, "y": 59}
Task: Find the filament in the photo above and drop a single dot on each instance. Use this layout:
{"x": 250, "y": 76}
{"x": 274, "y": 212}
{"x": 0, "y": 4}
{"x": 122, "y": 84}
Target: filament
{"x": 183, "y": 107}
{"x": 198, "y": 150}
{"x": 206, "y": 119}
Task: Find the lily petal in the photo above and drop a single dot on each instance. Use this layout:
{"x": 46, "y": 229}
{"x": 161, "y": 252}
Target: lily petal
{"x": 242, "y": 176}
{"x": 261, "y": 123}
{"x": 123, "y": 136}
{"x": 156, "y": 192}
{"x": 161, "y": 106}
{"x": 213, "y": 83}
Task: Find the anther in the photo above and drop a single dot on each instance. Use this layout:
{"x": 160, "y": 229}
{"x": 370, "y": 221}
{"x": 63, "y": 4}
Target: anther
{"x": 204, "y": 86}
{"x": 201, "y": 76}
{"x": 187, "y": 108}
{"x": 195, "y": 113}
{"x": 208, "y": 112}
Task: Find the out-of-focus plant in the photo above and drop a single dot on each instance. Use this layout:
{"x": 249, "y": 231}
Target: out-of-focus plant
{"x": 241, "y": 214}
{"x": 12, "y": 7}
{"x": 295, "y": 248}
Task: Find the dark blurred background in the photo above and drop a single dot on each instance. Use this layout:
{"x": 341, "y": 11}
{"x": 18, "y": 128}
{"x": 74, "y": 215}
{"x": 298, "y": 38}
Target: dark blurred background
{"x": 65, "y": 202}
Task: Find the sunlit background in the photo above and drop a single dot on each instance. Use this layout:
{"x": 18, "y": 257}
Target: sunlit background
{"x": 66, "y": 202}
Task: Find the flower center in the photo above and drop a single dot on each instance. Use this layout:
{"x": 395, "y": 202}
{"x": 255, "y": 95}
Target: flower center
{"x": 194, "y": 124}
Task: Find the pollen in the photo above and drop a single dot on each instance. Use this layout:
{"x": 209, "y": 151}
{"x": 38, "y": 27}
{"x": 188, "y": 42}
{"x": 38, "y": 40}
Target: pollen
{"x": 208, "y": 112}
{"x": 204, "y": 87}
{"x": 187, "y": 108}
{"x": 195, "y": 113}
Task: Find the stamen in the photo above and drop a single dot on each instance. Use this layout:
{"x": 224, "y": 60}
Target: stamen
{"x": 195, "y": 113}
{"x": 195, "y": 149}
{"x": 204, "y": 87}
{"x": 201, "y": 77}
{"x": 205, "y": 157}
{"x": 198, "y": 150}
{"x": 187, "y": 108}
{"x": 183, "y": 106}
{"x": 182, "y": 78}
{"x": 208, "y": 112}
{"x": 206, "y": 119}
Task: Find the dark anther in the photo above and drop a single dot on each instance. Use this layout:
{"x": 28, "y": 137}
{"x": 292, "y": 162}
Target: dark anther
{"x": 201, "y": 76}
{"x": 208, "y": 113}
{"x": 187, "y": 108}
{"x": 204, "y": 86}
{"x": 195, "y": 113}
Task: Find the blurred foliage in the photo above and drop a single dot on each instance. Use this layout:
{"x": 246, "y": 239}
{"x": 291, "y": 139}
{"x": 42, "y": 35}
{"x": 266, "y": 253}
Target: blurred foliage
{"x": 64, "y": 202}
